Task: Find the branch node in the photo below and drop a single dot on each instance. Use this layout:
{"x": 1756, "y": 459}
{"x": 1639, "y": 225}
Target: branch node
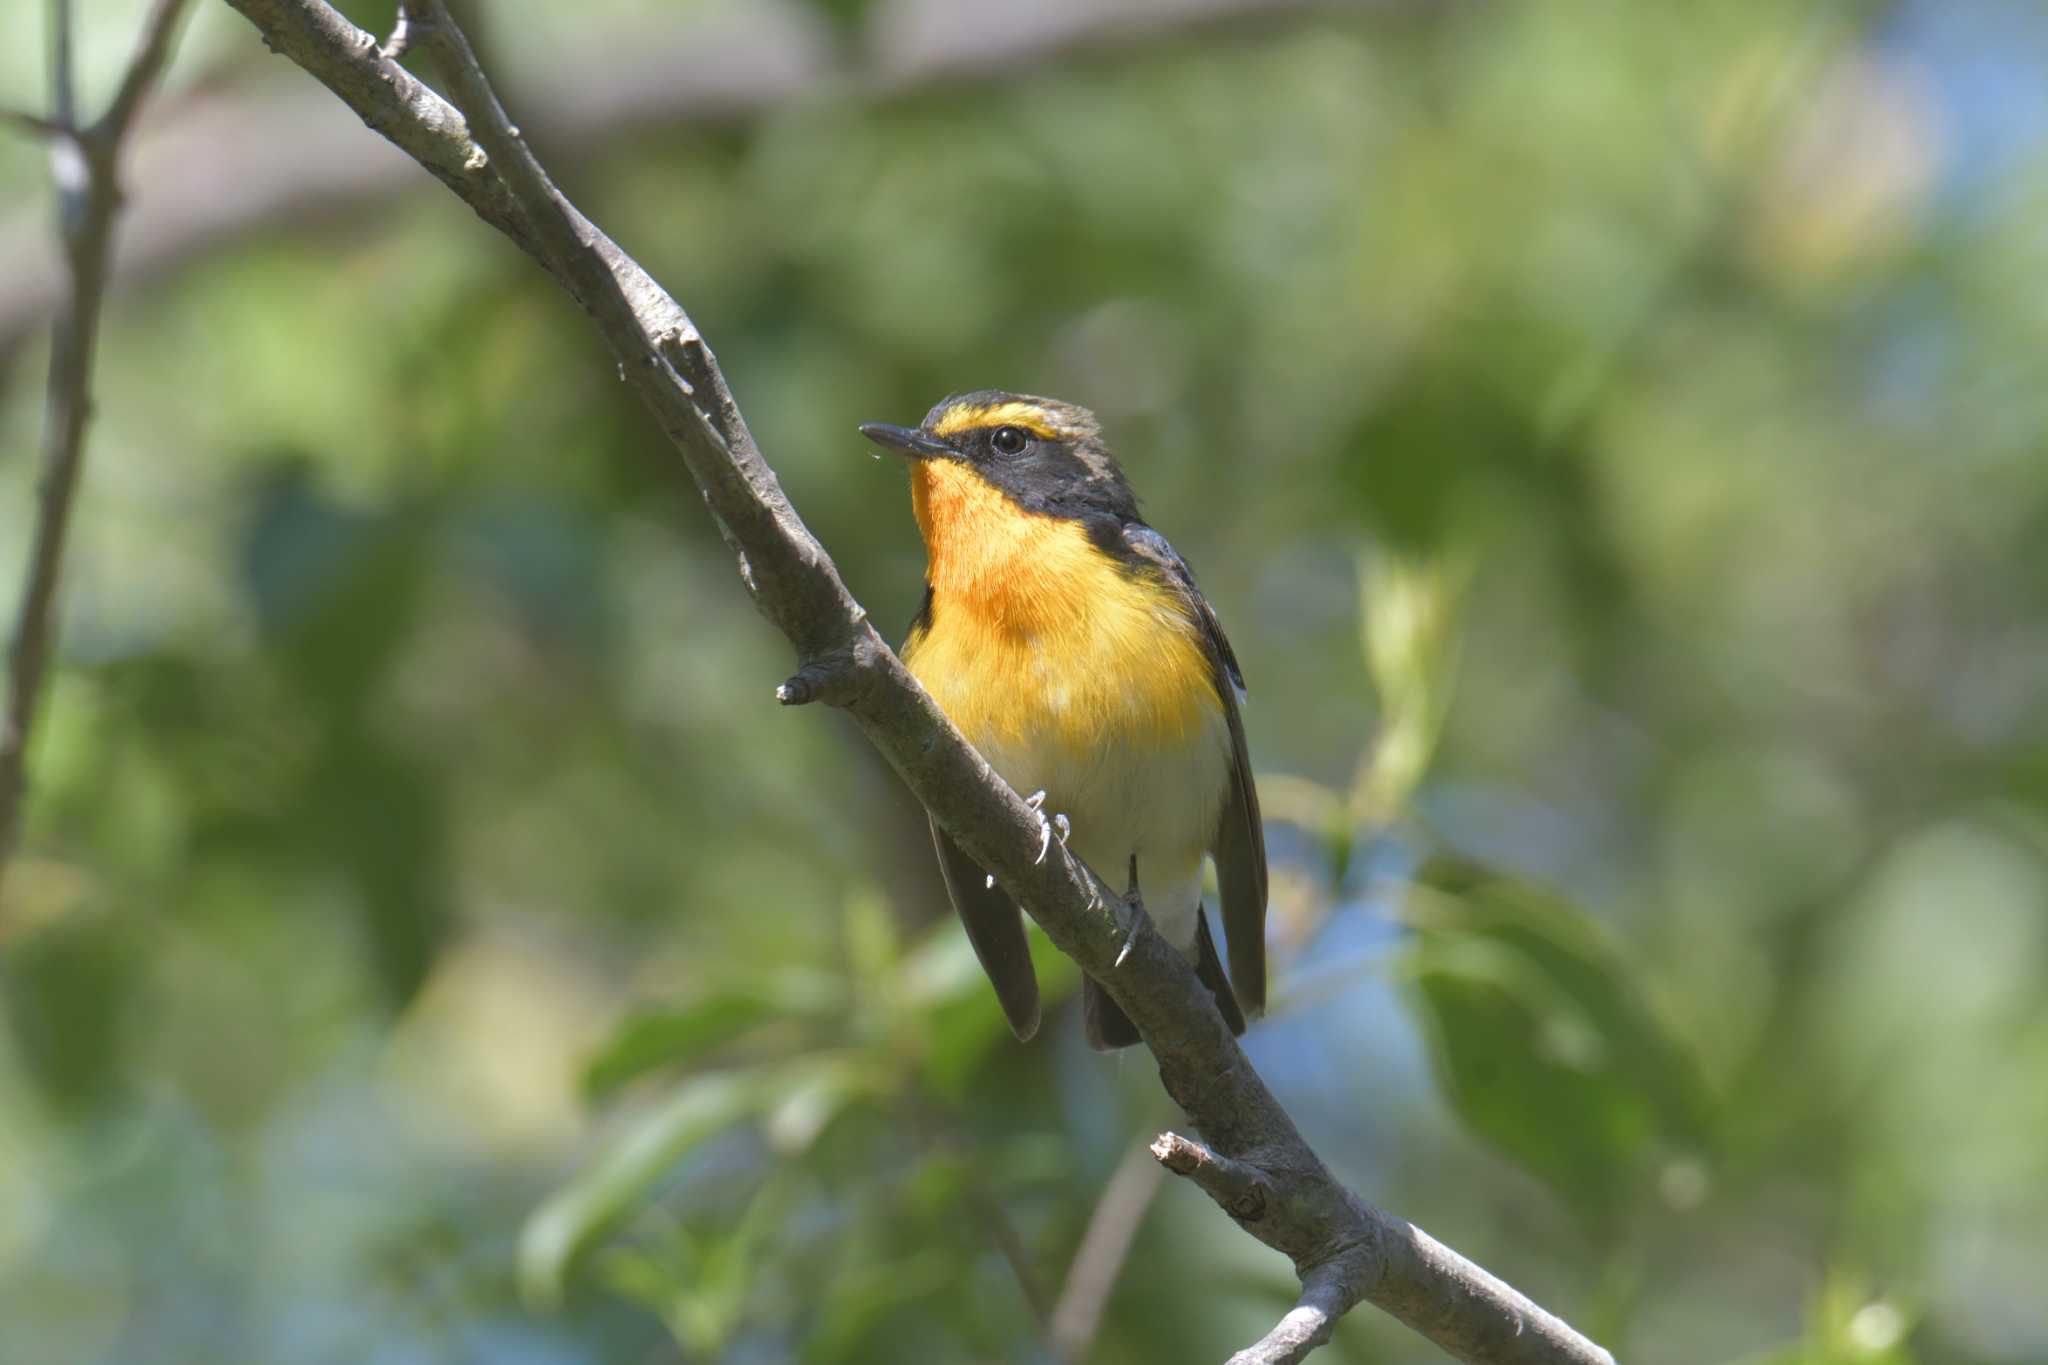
{"x": 1243, "y": 1191}
{"x": 830, "y": 678}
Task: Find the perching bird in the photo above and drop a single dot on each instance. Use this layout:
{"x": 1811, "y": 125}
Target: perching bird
{"x": 1071, "y": 646}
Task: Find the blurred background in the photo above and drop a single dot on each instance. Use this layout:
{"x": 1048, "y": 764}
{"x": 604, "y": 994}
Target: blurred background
{"x": 1613, "y": 435}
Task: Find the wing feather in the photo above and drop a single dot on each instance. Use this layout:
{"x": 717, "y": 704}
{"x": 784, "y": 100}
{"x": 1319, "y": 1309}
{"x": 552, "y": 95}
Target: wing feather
{"x": 996, "y": 929}
{"x": 1239, "y": 843}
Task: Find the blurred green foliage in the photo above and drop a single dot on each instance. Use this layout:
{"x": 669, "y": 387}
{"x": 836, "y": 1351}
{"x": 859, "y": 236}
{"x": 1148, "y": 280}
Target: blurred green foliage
{"x": 433, "y": 943}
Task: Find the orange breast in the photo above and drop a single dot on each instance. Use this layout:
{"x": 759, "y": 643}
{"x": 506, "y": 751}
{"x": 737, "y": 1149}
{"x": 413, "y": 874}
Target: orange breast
{"x": 1038, "y": 638}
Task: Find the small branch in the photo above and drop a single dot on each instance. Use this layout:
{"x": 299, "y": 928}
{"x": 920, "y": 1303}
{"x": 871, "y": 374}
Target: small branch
{"x": 1099, "y": 1261}
{"x": 1342, "y": 1248}
{"x": 1243, "y": 1191}
{"x": 35, "y": 125}
{"x": 144, "y": 67}
{"x": 84, "y": 166}
{"x": 63, "y": 73}
{"x": 1325, "y": 1297}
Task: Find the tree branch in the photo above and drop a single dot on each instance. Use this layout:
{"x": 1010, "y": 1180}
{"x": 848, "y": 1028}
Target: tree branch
{"x": 1342, "y": 1248}
{"x": 34, "y": 125}
{"x": 1327, "y": 1293}
{"x": 143, "y": 68}
{"x": 84, "y": 162}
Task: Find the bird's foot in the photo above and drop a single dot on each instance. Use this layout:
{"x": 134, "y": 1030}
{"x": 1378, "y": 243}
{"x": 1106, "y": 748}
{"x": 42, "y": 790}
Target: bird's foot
{"x": 1135, "y": 899}
{"x": 1046, "y": 828}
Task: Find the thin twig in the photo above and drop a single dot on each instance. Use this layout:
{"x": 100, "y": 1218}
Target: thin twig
{"x": 63, "y": 74}
{"x": 144, "y": 67}
{"x": 84, "y": 163}
{"x": 35, "y": 125}
{"x": 1343, "y": 1249}
{"x": 1324, "y": 1299}
{"x": 1099, "y": 1261}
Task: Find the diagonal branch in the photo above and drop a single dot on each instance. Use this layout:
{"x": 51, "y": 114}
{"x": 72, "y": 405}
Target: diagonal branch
{"x": 1343, "y": 1249}
{"x": 84, "y": 162}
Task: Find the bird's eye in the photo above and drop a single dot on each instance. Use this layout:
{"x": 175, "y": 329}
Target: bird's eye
{"x": 1009, "y": 440}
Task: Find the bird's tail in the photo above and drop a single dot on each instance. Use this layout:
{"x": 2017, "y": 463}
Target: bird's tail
{"x": 1108, "y": 1027}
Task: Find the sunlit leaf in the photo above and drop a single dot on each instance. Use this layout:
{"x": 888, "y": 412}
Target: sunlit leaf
{"x": 1408, "y": 616}
{"x": 675, "y": 1037}
{"x": 813, "y": 1094}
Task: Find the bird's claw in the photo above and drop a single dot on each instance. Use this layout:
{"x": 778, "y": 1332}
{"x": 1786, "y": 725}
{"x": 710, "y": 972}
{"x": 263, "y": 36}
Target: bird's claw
{"x": 1132, "y": 898}
{"x": 1036, "y": 799}
{"x": 1046, "y": 827}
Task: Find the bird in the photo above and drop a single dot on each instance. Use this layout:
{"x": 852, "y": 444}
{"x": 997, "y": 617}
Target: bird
{"x": 1067, "y": 640}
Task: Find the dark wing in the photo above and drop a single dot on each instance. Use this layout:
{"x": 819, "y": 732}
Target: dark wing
{"x": 994, "y": 925}
{"x": 996, "y": 929}
{"x": 1239, "y": 845}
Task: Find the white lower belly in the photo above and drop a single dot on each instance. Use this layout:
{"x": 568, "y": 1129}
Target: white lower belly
{"x": 1157, "y": 802}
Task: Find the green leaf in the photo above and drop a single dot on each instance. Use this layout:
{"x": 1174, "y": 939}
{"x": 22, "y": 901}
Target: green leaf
{"x": 813, "y": 1092}
{"x": 1546, "y": 1047}
{"x": 653, "y": 1039}
{"x": 699, "y": 1279}
{"x": 673, "y": 1037}
{"x": 1408, "y": 629}
{"x": 606, "y": 1189}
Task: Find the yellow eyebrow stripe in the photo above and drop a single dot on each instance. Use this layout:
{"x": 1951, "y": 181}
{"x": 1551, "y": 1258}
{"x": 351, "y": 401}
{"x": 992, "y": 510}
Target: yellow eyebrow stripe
{"x": 1029, "y": 416}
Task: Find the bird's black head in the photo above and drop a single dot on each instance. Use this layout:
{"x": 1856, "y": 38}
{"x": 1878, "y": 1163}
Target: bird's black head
{"x": 1044, "y": 455}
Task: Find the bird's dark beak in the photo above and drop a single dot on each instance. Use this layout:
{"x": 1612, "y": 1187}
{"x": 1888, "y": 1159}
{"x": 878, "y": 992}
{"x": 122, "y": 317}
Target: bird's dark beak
{"x": 904, "y": 440}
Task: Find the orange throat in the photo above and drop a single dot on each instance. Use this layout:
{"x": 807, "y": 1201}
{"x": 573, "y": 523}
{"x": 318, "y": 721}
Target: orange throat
{"x": 1015, "y": 573}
